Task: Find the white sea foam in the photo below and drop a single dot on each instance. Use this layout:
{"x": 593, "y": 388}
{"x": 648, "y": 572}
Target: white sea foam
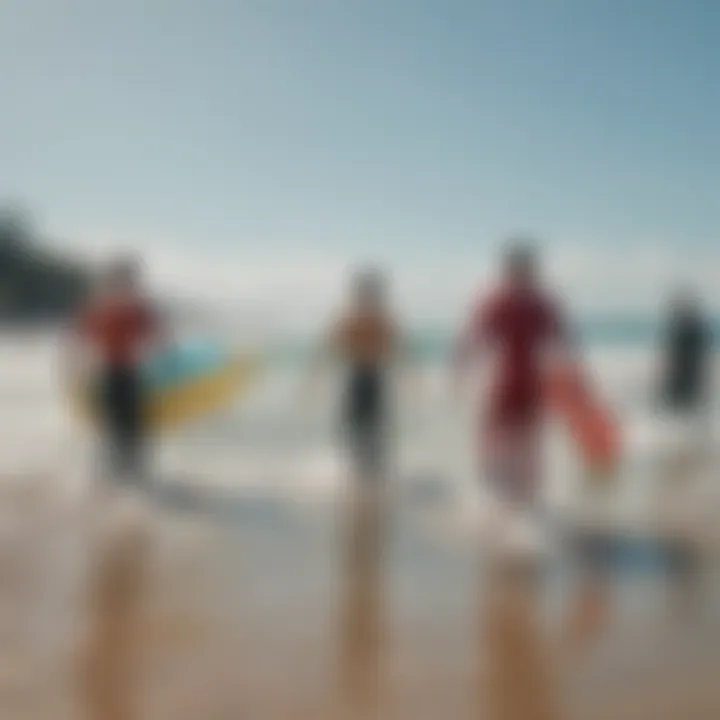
{"x": 272, "y": 442}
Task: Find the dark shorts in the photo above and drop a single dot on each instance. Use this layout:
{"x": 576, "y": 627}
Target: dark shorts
{"x": 364, "y": 422}
{"x": 123, "y": 418}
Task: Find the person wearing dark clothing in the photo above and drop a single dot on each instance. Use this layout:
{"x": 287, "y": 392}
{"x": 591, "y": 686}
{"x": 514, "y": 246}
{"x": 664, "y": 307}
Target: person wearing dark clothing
{"x": 365, "y": 340}
{"x": 364, "y": 414}
{"x": 684, "y": 389}
{"x": 122, "y": 404}
{"x": 687, "y": 345}
{"x": 116, "y": 327}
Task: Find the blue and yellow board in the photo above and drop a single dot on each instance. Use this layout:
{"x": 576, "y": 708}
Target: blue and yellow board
{"x": 185, "y": 383}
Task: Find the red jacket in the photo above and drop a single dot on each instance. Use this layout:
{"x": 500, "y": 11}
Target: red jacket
{"x": 517, "y": 325}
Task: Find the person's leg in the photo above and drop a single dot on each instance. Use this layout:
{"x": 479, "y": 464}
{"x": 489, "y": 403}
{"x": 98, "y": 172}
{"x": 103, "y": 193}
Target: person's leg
{"x": 131, "y": 424}
{"x": 511, "y": 462}
{"x": 111, "y": 419}
{"x": 365, "y": 427}
{"x": 511, "y": 465}
{"x": 375, "y": 451}
{"x": 493, "y": 458}
{"x": 526, "y": 475}
{"x": 363, "y": 457}
{"x": 137, "y": 427}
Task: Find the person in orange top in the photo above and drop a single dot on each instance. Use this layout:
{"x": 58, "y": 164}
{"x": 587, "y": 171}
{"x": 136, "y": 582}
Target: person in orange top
{"x": 116, "y": 328}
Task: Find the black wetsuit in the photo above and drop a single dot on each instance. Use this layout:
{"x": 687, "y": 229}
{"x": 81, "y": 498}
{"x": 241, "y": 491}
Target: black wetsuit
{"x": 118, "y": 331}
{"x": 687, "y": 354}
{"x": 122, "y": 404}
{"x": 365, "y": 424}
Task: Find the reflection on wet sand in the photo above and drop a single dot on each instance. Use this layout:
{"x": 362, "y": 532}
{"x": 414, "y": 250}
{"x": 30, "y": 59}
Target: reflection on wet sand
{"x": 115, "y": 594}
{"x": 362, "y": 608}
{"x": 183, "y": 621}
{"x": 516, "y": 669}
{"x": 587, "y": 615}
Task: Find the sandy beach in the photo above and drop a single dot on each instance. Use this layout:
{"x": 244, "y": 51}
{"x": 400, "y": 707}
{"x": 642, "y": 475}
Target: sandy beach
{"x": 120, "y": 607}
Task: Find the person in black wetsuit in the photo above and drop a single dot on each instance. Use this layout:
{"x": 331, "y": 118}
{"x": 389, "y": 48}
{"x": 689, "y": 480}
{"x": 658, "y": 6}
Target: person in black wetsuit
{"x": 685, "y": 383}
{"x": 365, "y": 339}
{"x": 684, "y": 389}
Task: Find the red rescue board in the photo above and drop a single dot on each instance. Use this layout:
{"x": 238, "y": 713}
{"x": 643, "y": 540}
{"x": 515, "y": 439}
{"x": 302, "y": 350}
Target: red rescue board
{"x": 588, "y": 420}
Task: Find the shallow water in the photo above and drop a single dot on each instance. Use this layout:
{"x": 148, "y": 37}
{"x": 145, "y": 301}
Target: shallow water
{"x": 273, "y": 441}
{"x": 116, "y": 608}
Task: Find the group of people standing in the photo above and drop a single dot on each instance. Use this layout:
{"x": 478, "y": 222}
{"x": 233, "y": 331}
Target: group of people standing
{"x": 517, "y": 327}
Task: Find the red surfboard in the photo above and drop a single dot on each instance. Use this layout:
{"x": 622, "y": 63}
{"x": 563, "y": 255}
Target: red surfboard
{"x": 589, "y": 422}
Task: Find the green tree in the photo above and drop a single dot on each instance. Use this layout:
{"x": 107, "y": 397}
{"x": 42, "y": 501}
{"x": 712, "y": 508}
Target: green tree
{"x": 36, "y": 283}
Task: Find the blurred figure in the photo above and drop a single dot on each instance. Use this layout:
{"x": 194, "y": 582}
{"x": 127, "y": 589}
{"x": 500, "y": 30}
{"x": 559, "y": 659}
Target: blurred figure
{"x": 684, "y": 385}
{"x": 115, "y": 330}
{"x": 518, "y": 323}
{"x": 687, "y": 345}
{"x": 522, "y": 325}
{"x": 366, "y": 340}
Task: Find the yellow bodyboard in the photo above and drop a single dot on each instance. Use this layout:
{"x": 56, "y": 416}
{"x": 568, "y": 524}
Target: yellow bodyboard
{"x": 178, "y": 404}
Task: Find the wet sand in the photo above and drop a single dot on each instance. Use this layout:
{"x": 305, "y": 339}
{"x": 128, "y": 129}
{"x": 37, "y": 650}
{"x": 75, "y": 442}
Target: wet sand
{"x": 119, "y": 608}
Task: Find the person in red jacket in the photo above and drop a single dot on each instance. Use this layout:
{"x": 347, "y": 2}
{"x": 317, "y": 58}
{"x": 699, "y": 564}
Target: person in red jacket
{"x": 517, "y": 323}
{"x": 116, "y": 327}
{"x": 521, "y": 324}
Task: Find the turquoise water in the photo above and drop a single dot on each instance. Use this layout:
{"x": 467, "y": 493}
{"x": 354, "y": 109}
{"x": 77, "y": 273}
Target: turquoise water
{"x": 430, "y": 346}
{"x": 435, "y": 345}
{"x": 592, "y": 333}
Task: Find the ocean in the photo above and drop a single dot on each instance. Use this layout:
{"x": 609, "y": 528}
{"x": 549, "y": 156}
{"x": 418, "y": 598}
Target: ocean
{"x": 274, "y": 441}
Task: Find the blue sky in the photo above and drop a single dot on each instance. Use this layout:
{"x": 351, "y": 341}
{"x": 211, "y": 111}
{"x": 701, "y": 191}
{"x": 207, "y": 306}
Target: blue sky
{"x": 417, "y": 132}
